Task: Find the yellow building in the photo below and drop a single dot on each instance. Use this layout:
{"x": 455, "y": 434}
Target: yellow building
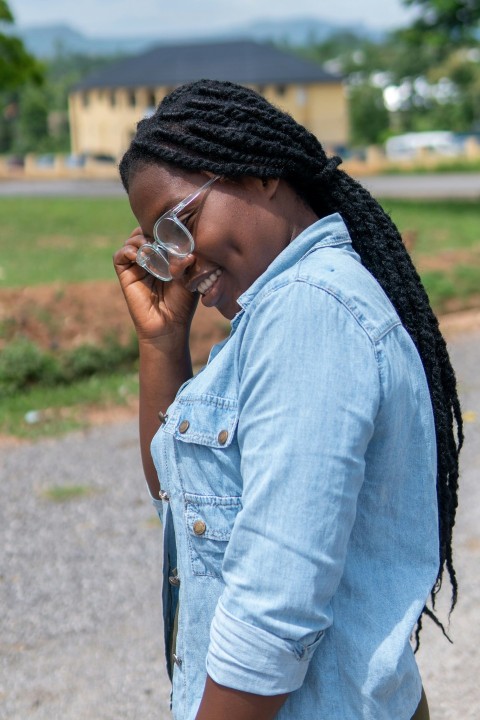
{"x": 105, "y": 107}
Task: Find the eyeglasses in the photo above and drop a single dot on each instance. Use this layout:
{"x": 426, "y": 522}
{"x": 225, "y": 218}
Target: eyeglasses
{"x": 171, "y": 238}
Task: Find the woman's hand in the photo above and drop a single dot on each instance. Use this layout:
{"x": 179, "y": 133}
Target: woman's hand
{"x": 158, "y": 309}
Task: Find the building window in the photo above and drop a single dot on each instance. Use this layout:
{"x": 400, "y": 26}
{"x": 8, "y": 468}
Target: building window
{"x": 85, "y": 99}
{"x": 281, "y": 89}
{"x": 113, "y": 98}
{"x": 301, "y": 96}
{"x": 131, "y": 99}
{"x": 151, "y": 99}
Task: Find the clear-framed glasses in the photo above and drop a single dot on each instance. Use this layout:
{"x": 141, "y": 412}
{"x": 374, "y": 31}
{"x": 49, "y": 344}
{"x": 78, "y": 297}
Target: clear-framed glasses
{"x": 171, "y": 238}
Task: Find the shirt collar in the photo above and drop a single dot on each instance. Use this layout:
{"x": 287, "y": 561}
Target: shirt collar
{"x": 328, "y": 231}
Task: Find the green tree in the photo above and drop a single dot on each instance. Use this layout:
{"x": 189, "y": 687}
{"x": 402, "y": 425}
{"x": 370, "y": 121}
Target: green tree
{"x": 369, "y": 118}
{"x": 17, "y": 69}
{"x": 17, "y": 66}
{"x": 444, "y": 21}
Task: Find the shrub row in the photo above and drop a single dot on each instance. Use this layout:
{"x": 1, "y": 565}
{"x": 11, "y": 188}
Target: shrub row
{"x": 23, "y": 364}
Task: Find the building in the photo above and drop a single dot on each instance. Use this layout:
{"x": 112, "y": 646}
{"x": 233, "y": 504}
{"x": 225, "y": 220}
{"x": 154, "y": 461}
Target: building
{"x": 105, "y": 108}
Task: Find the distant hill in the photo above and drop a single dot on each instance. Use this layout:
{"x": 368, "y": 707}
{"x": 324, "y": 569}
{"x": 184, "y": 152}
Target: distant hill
{"x": 46, "y": 41}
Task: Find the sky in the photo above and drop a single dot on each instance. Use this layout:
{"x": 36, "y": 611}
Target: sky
{"x": 110, "y": 18}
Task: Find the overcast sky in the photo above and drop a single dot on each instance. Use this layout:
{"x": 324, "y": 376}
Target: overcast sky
{"x": 148, "y": 17}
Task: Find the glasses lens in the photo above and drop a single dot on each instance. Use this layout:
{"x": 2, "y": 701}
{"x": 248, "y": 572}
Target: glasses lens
{"x": 155, "y": 261}
{"x": 174, "y": 236}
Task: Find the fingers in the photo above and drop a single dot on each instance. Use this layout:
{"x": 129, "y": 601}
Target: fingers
{"x": 127, "y": 254}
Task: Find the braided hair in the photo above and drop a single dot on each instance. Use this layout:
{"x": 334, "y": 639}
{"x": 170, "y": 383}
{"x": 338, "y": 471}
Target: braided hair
{"x": 232, "y": 131}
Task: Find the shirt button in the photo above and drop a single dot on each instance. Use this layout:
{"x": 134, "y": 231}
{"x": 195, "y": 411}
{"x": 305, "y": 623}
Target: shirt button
{"x": 173, "y": 579}
{"x": 163, "y": 495}
{"x": 183, "y": 427}
{"x": 222, "y": 437}
{"x": 199, "y": 527}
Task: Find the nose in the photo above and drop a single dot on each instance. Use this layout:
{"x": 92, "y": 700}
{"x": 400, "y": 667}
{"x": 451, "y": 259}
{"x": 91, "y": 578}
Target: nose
{"x": 178, "y": 266}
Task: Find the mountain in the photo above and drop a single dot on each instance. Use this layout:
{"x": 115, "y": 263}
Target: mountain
{"x": 46, "y": 41}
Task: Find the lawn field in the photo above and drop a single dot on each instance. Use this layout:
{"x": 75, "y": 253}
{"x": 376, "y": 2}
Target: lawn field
{"x": 64, "y": 247}
{"x": 47, "y": 240}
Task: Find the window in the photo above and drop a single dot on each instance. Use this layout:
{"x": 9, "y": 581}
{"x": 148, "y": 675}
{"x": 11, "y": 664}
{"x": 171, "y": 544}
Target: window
{"x": 301, "y": 96}
{"x": 113, "y": 98}
{"x": 281, "y": 89}
{"x": 151, "y": 99}
{"x": 131, "y": 98}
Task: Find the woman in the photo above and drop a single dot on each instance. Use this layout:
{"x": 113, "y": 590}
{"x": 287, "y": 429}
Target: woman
{"x": 300, "y": 470}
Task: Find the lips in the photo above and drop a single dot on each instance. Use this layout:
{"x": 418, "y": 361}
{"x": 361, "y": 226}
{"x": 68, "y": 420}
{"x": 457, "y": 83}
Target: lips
{"x": 204, "y": 285}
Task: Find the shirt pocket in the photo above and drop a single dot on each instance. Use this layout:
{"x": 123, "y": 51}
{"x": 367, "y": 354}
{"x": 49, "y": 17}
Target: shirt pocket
{"x": 204, "y": 419}
{"x": 209, "y": 522}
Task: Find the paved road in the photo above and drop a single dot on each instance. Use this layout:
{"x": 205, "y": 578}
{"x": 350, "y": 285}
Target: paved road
{"x": 465, "y": 185}
{"x": 80, "y": 627}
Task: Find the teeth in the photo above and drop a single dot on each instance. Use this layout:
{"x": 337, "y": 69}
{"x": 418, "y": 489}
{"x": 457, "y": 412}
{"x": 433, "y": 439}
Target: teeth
{"x": 208, "y": 282}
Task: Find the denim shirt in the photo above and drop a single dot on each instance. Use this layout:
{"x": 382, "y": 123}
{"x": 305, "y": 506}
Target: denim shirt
{"x": 300, "y": 506}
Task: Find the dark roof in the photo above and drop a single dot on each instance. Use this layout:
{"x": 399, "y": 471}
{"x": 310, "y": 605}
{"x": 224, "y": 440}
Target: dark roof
{"x": 241, "y": 61}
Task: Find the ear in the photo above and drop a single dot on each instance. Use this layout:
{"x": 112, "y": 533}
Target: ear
{"x": 267, "y": 186}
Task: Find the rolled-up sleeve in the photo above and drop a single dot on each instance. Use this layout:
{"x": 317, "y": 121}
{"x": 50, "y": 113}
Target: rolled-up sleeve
{"x": 309, "y": 392}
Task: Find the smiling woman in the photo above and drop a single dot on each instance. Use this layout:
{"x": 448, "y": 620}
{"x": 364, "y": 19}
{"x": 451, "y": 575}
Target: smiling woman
{"x": 292, "y": 471}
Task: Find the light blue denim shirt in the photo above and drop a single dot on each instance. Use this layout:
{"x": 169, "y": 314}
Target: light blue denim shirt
{"x": 300, "y": 470}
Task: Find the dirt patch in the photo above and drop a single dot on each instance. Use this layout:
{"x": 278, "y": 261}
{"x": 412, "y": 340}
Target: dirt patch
{"x": 446, "y": 260}
{"x": 63, "y": 317}
{"x": 66, "y": 316}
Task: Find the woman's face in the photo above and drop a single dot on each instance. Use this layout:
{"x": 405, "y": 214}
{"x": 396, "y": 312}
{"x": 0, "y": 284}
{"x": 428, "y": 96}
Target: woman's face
{"x": 239, "y": 227}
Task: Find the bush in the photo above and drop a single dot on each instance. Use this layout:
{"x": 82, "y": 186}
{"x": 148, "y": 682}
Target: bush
{"x": 23, "y": 364}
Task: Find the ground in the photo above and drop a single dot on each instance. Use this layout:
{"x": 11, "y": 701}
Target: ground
{"x": 65, "y": 316}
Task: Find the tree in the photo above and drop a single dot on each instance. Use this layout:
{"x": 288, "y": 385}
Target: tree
{"x": 444, "y": 22}
{"x": 369, "y": 119}
{"x": 17, "y": 66}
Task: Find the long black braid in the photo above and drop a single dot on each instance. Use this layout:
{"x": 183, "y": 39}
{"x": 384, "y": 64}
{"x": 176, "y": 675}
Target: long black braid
{"x": 232, "y": 131}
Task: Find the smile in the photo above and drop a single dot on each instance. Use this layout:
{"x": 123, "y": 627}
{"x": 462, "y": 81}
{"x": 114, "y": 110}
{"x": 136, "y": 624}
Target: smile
{"x": 206, "y": 284}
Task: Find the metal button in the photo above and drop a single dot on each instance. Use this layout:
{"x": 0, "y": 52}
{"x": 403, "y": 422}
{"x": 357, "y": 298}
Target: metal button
{"x": 177, "y": 660}
{"x": 173, "y": 579}
{"x": 199, "y": 527}
{"x": 162, "y": 417}
{"x": 183, "y": 427}
{"x": 163, "y": 495}
{"x": 222, "y": 437}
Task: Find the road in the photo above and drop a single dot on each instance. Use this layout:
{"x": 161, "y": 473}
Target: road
{"x": 80, "y": 621}
{"x": 439, "y": 186}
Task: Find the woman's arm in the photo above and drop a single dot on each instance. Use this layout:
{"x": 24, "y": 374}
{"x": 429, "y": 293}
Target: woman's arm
{"x": 222, "y": 703}
{"x": 162, "y": 314}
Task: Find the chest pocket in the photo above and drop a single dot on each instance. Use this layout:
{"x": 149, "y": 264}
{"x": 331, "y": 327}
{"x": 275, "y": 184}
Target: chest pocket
{"x": 209, "y": 520}
{"x": 203, "y": 426}
{"x": 204, "y": 420}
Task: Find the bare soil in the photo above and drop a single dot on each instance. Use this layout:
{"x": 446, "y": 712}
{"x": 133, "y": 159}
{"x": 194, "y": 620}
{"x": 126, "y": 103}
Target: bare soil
{"x": 60, "y": 317}
{"x": 66, "y": 316}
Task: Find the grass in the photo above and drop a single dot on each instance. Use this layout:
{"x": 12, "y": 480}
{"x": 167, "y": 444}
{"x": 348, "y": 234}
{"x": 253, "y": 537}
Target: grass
{"x": 43, "y": 412}
{"x": 439, "y": 225}
{"x": 455, "y": 165}
{"x": 46, "y": 240}
{"x": 63, "y": 493}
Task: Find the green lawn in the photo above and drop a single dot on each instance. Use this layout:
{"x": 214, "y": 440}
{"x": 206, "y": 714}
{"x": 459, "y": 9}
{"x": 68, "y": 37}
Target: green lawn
{"x": 440, "y": 225}
{"x": 45, "y": 240}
